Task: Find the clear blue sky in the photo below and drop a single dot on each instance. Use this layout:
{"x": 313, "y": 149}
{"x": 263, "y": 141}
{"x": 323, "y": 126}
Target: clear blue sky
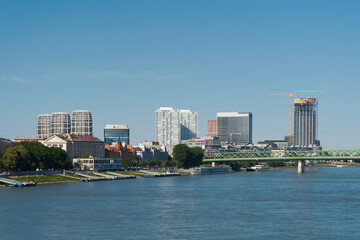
{"x": 123, "y": 59}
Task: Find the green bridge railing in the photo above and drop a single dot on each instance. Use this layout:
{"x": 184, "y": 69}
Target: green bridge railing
{"x": 285, "y": 155}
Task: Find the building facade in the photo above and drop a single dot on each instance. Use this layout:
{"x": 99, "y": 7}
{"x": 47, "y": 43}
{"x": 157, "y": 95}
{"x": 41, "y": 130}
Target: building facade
{"x": 144, "y": 153}
{"x": 235, "y": 127}
{"x": 43, "y": 126}
{"x": 174, "y": 125}
{"x": 112, "y": 134}
{"x": 305, "y": 123}
{"x": 60, "y": 123}
{"x": 77, "y": 145}
{"x": 98, "y": 164}
{"x": 208, "y": 144}
{"x": 81, "y": 123}
{"x": 212, "y": 128}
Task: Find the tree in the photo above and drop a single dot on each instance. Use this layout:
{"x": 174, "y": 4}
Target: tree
{"x": 127, "y": 163}
{"x": 197, "y": 157}
{"x": 87, "y": 155}
{"x": 16, "y": 157}
{"x": 187, "y": 157}
{"x": 29, "y": 156}
{"x": 181, "y": 152}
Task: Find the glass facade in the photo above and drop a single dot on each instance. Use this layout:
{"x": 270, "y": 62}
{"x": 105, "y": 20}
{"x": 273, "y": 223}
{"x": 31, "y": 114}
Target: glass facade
{"x": 235, "y": 127}
{"x": 112, "y": 134}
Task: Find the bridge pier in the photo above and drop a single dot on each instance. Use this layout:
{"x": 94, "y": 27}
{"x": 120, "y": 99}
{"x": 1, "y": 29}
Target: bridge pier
{"x": 301, "y": 166}
{"x": 213, "y": 164}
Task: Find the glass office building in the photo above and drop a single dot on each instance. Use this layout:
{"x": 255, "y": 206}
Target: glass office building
{"x": 114, "y": 133}
{"x": 235, "y": 127}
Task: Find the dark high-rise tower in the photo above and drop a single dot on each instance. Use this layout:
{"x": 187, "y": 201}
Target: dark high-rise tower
{"x": 305, "y": 123}
{"x": 234, "y": 127}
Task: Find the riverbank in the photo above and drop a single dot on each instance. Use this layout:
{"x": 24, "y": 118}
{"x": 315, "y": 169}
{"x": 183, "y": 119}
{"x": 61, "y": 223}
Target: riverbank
{"x": 62, "y": 178}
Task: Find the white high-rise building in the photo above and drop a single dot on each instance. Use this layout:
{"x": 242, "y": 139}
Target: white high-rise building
{"x": 174, "y": 125}
{"x": 60, "y": 123}
{"x": 81, "y": 122}
{"x": 43, "y": 126}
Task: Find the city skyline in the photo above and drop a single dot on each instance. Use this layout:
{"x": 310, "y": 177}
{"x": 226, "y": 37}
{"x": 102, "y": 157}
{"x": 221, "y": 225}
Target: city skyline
{"x": 205, "y": 55}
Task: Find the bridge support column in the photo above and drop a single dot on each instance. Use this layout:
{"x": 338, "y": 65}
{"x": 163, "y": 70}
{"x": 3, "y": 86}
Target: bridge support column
{"x": 301, "y": 164}
{"x": 213, "y": 164}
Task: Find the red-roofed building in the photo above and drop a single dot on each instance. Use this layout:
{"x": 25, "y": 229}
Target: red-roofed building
{"x": 77, "y": 145}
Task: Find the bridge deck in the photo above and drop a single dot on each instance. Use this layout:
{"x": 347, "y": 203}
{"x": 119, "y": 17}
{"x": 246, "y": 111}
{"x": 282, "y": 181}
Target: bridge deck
{"x": 285, "y": 155}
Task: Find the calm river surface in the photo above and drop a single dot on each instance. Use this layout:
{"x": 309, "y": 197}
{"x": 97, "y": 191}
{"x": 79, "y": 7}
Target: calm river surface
{"x": 322, "y": 203}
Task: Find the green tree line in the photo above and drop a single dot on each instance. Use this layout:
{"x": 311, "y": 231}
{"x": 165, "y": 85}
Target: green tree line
{"x": 29, "y": 156}
{"x": 183, "y": 157}
{"x": 186, "y": 157}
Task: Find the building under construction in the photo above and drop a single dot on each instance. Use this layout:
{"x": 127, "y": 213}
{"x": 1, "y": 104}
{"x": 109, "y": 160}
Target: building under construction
{"x": 305, "y": 123}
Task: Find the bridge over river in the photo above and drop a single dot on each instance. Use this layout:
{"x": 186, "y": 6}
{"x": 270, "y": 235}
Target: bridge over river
{"x": 284, "y": 155}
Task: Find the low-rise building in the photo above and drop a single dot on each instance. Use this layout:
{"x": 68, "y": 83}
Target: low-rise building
{"x": 153, "y": 153}
{"x": 208, "y": 144}
{"x": 122, "y": 151}
{"x": 77, "y": 145}
{"x": 98, "y": 164}
{"x": 24, "y": 139}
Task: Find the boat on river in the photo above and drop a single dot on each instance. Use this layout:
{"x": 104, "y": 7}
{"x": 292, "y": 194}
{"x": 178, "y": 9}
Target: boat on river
{"x": 202, "y": 170}
{"x": 169, "y": 173}
{"x": 259, "y": 167}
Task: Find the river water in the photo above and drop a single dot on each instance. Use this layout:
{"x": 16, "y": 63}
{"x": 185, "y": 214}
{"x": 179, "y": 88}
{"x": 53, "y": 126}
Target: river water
{"x": 322, "y": 203}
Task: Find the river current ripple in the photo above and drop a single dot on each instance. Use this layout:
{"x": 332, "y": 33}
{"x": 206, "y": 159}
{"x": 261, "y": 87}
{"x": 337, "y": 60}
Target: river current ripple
{"x": 322, "y": 203}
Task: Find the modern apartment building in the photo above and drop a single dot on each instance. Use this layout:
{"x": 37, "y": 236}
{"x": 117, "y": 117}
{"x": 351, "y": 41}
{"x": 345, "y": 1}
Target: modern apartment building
{"x": 81, "y": 123}
{"x": 43, "y": 126}
{"x": 305, "y": 128}
{"x": 112, "y": 134}
{"x": 235, "y": 127}
{"x": 212, "y": 128}
{"x": 60, "y": 123}
{"x": 174, "y": 125}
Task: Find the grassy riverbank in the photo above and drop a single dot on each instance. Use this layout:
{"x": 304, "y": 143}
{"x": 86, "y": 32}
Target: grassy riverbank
{"x": 58, "y": 178}
{"x": 39, "y": 179}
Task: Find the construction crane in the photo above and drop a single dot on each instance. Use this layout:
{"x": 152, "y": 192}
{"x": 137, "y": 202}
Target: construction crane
{"x": 317, "y": 109}
{"x": 290, "y": 96}
{"x": 231, "y": 133}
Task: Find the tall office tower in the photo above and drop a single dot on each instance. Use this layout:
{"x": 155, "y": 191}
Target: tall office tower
{"x": 43, "y": 126}
{"x": 212, "y": 128}
{"x": 174, "y": 125}
{"x": 81, "y": 123}
{"x": 305, "y": 123}
{"x": 60, "y": 123}
{"x": 235, "y": 127}
{"x": 112, "y": 134}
